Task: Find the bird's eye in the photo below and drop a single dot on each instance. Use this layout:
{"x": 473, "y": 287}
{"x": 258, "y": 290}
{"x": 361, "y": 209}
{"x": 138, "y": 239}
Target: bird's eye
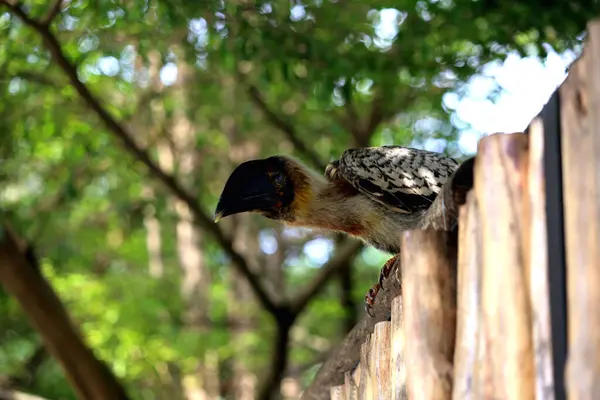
{"x": 277, "y": 178}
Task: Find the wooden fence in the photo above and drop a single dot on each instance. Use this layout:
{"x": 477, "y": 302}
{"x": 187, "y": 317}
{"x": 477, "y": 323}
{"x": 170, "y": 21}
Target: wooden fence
{"x": 485, "y": 313}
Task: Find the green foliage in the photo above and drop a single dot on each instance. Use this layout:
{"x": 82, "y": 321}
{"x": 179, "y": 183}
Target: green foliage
{"x": 325, "y": 68}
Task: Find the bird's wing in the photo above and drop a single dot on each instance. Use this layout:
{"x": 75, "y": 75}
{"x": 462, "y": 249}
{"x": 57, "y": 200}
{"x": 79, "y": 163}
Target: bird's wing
{"x": 404, "y": 179}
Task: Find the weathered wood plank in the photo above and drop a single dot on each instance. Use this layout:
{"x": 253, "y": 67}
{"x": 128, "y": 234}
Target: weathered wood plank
{"x": 398, "y": 348}
{"x": 468, "y": 300}
{"x": 429, "y": 296}
{"x": 337, "y": 393}
{"x": 356, "y": 375}
{"x": 580, "y": 125}
{"x": 500, "y": 184}
{"x": 537, "y": 264}
{"x": 365, "y": 388}
{"x": 350, "y": 387}
{"x": 381, "y": 355}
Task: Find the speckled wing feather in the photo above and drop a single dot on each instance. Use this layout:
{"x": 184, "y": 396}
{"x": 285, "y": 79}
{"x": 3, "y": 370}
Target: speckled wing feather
{"x": 404, "y": 179}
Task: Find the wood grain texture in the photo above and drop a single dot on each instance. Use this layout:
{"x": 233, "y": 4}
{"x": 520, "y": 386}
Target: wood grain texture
{"x": 337, "y": 393}
{"x": 537, "y": 264}
{"x": 429, "y": 295}
{"x": 350, "y": 386}
{"x": 397, "y": 351}
{"x": 580, "y": 141}
{"x": 356, "y": 374}
{"x": 500, "y": 184}
{"x": 468, "y": 300}
{"x": 381, "y": 355}
{"x": 365, "y": 389}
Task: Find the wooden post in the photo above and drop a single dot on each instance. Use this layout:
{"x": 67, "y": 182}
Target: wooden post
{"x": 580, "y": 123}
{"x": 500, "y": 184}
{"x": 537, "y": 264}
{"x": 468, "y": 300}
{"x": 380, "y": 356}
{"x": 398, "y": 349}
{"x": 337, "y": 393}
{"x": 429, "y": 296}
{"x": 481, "y": 374}
{"x": 351, "y": 384}
{"x": 365, "y": 389}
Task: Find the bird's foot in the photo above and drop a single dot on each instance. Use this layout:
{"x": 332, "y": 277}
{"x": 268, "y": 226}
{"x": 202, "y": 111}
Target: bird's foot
{"x": 383, "y": 275}
{"x": 370, "y": 299}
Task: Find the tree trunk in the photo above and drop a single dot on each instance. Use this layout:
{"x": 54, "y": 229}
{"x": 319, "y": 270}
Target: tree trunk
{"x": 90, "y": 377}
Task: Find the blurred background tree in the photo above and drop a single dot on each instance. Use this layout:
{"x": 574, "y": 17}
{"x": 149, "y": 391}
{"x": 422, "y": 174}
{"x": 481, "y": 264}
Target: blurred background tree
{"x": 121, "y": 121}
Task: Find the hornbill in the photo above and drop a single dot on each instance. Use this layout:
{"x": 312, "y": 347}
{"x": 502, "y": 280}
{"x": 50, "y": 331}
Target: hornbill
{"x": 373, "y": 193}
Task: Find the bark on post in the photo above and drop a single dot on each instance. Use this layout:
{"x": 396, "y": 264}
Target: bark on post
{"x": 429, "y": 297}
{"x": 500, "y": 184}
{"x": 580, "y": 124}
{"x": 468, "y": 301}
{"x": 90, "y": 377}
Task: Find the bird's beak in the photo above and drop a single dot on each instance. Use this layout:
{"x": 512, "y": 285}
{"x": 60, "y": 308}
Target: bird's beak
{"x": 247, "y": 189}
{"x": 244, "y": 203}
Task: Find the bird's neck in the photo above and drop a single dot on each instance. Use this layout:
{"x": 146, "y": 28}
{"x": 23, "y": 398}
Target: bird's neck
{"x": 326, "y": 206}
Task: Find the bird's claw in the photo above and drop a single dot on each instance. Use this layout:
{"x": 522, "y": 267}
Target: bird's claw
{"x": 383, "y": 275}
{"x": 370, "y": 299}
{"x": 386, "y": 269}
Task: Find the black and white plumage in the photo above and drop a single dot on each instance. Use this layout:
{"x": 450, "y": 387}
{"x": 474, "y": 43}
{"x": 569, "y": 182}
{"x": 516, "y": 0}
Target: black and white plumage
{"x": 406, "y": 180}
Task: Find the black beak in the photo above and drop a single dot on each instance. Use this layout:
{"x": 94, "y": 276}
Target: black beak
{"x": 247, "y": 189}
{"x": 230, "y": 205}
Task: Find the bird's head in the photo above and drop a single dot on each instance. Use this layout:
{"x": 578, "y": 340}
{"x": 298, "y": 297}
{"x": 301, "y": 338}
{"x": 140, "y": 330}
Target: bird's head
{"x": 270, "y": 186}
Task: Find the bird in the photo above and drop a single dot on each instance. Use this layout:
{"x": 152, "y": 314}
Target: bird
{"x": 371, "y": 193}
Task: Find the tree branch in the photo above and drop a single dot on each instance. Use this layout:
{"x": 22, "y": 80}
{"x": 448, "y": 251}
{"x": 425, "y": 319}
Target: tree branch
{"x": 34, "y": 77}
{"x": 347, "y": 301}
{"x": 375, "y": 118}
{"x": 280, "y": 353}
{"x": 349, "y": 118}
{"x": 351, "y": 121}
{"x": 52, "y": 12}
{"x": 288, "y": 313}
{"x": 285, "y": 127}
{"x": 21, "y": 278}
{"x": 344, "y": 255}
{"x": 200, "y": 217}
{"x": 30, "y": 368}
